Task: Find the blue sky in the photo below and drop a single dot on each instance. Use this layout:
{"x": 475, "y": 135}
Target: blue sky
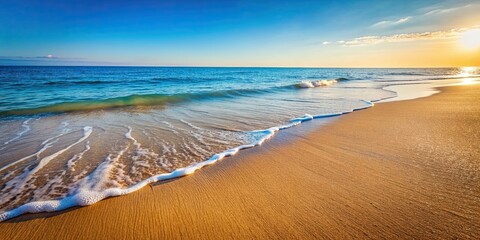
{"x": 243, "y": 33}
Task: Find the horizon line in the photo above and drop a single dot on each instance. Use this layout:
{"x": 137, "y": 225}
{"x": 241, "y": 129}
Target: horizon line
{"x": 200, "y": 66}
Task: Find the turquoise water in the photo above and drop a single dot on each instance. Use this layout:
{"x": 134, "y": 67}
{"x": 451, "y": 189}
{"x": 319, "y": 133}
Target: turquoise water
{"x": 75, "y": 135}
{"x": 35, "y": 87}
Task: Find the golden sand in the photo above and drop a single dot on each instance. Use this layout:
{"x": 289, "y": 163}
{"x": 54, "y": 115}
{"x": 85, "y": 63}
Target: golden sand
{"x": 407, "y": 169}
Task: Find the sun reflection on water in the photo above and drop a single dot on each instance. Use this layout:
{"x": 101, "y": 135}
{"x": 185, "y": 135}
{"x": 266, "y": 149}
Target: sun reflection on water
{"x": 467, "y": 71}
{"x": 469, "y": 75}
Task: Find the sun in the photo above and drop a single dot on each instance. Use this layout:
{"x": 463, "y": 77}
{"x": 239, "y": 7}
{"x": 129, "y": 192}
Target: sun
{"x": 471, "y": 39}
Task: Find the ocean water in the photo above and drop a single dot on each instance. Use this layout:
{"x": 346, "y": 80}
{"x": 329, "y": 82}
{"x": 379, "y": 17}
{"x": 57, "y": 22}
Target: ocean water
{"x": 71, "y": 136}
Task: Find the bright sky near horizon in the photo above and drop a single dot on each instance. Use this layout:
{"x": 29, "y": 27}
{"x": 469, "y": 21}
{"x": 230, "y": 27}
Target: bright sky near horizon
{"x": 375, "y": 33}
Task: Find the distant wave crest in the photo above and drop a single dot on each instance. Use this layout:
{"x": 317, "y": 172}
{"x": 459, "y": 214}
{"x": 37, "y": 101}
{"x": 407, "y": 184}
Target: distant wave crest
{"x": 79, "y": 82}
{"x": 319, "y": 83}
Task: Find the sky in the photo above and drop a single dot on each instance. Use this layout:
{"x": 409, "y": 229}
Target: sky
{"x": 376, "y": 33}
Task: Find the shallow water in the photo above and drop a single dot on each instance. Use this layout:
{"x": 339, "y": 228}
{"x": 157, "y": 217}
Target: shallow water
{"x": 78, "y": 134}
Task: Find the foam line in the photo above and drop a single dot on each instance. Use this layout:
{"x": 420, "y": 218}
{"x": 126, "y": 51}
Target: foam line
{"x": 327, "y": 115}
{"x": 73, "y": 160}
{"x": 85, "y": 196}
{"x": 21, "y": 180}
{"x": 27, "y": 157}
{"x": 45, "y": 144}
{"x": 306, "y": 117}
{"x": 25, "y": 129}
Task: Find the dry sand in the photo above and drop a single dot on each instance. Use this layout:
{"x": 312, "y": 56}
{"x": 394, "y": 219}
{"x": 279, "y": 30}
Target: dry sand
{"x": 406, "y": 169}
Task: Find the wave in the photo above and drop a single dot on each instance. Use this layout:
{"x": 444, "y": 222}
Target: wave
{"x": 79, "y": 82}
{"x": 44, "y": 146}
{"x": 319, "y": 83}
{"x": 314, "y": 84}
{"x": 193, "y": 79}
{"x": 405, "y": 74}
{"x": 168, "y": 79}
{"x": 88, "y": 193}
{"x": 25, "y": 128}
{"x": 132, "y": 100}
{"x": 20, "y": 182}
{"x": 156, "y": 99}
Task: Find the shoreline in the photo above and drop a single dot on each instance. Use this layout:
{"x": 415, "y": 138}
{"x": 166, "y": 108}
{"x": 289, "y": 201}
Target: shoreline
{"x": 88, "y": 198}
{"x": 251, "y": 169}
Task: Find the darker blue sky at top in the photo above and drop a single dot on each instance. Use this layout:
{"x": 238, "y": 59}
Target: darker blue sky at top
{"x": 21, "y": 17}
{"x": 35, "y": 27}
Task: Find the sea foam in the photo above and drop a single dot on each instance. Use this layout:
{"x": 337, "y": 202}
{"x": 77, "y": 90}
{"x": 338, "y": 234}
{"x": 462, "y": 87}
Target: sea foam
{"x": 25, "y": 129}
{"x": 318, "y": 83}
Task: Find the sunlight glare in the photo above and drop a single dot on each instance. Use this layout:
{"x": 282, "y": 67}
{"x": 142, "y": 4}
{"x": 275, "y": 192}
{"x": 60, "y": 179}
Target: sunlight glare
{"x": 468, "y": 75}
{"x": 467, "y": 71}
{"x": 468, "y": 81}
{"x": 471, "y": 39}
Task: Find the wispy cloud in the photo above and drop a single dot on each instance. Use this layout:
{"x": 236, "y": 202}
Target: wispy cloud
{"x": 404, "y": 37}
{"x": 52, "y": 61}
{"x": 392, "y": 23}
{"x": 46, "y": 57}
{"x": 50, "y": 56}
{"x": 426, "y": 13}
{"x": 441, "y": 10}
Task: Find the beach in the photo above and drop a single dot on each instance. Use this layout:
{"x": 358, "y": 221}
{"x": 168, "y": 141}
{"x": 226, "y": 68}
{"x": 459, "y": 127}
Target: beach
{"x": 407, "y": 169}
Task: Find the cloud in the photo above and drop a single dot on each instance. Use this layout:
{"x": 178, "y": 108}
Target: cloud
{"x": 47, "y": 60}
{"x": 439, "y": 11}
{"x": 53, "y": 61}
{"x": 50, "y": 56}
{"x": 403, "y": 20}
{"x": 425, "y": 13}
{"x": 392, "y": 23}
{"x": 325, "y": 43}
{"x": 46, "y": 57}
{"x": 404, "y": 37}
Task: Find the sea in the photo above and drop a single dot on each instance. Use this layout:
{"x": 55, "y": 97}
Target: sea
{"x": 72, "y": 136}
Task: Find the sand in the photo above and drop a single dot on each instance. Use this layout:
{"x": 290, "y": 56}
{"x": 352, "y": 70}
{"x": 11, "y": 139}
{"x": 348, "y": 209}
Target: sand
{"x": 408, "y": 169}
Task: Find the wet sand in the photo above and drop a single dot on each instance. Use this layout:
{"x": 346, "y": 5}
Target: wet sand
{"x": 408, "y": 169}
